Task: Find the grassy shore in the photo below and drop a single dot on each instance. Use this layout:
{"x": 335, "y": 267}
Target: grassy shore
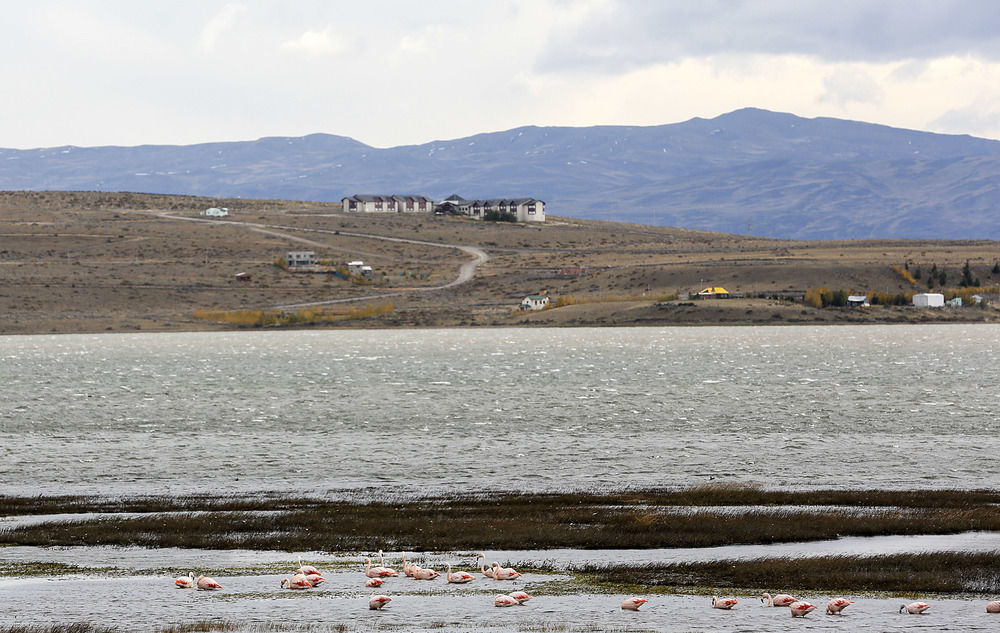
{"x": 698, "y": 517}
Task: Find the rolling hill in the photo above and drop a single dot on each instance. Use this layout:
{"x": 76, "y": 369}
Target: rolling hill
{"x": 750, "y": 171}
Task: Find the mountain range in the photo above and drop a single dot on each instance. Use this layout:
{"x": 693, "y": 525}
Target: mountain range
{"x": 750, "y": 171}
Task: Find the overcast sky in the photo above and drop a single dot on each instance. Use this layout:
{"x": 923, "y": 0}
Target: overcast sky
{"x": 395, "y": 72}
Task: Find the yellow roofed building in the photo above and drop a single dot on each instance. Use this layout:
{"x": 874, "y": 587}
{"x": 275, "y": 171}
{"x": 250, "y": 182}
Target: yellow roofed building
{"x": 713, "y": 292}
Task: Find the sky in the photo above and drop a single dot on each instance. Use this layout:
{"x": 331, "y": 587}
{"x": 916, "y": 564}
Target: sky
{"x": 395, "y": 72}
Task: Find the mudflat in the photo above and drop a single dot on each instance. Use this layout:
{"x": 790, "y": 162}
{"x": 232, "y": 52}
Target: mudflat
{"x": 122, "y": 262}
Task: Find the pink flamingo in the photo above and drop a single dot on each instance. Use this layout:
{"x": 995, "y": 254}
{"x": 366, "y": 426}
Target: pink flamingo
{"x": 377, "y": 572}
{"x": 207, "y": 584}
{"x": 502, "y": 600}
{"x": 837, "y": 605}
{"x": 374, "y": 582}
{"x": 520, "y": 596}
{"x": 916, "y": 608}
{"x": 307, "y": 569}
{"x": 504, "y": 573}
{"x": 800, "y": 609}
{"x": 780, "y": 600}
{"x": 185, "y": 582}
{"x": 408, "y": 568}
{"x": 724, "y": 603}
{"x": 388, "y": 571}
{"x": 298, "y": 581}
{"x": 633, "y": 604}
{"x": 379, "y": 601}
{"x": 482, "y": 566}
{"x": 315, "y": 579}
{"x": 459, "y": 576}
{"x": 425, "y": 573}
{"x": 993, "y": 607}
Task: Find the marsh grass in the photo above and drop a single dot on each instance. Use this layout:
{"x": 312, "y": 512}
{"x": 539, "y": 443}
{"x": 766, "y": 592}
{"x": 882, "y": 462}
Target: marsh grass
{"x": 630, "y": 519}
{"x": 933, "y": 572}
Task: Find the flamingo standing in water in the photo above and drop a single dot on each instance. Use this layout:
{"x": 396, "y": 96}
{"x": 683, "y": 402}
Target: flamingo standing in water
{"x": 379, "y": 601}
{"x": 409, "y": 568}
{"x": 801, "y": 608}
{"x": 520, "y": 596}
{"x": 993, "y": 607}
{"x": 307, "y": 569}
{"x": 374, "y": 582}
{"x": 482, "y": 566}
{"x": 724, "y": 603}
{"x": 298, "y": 581}
{"x": 780, "y": 600}
{"x": 378, "y": 572}
{"x": 207, "y": 584}
{"x": 459, "y": 576}
{"x": 503, "y": 600}
{"x": 425, "y": 573}
{"x": 916, "y": 608}
{"x": 381, "y": 563}
{"x": 504, "y": 573}
{"x": 315, "y": 579}
{"x": 837, "y": 605}
{"x": 185, "y": 582}
{"x": 633, "y": 604}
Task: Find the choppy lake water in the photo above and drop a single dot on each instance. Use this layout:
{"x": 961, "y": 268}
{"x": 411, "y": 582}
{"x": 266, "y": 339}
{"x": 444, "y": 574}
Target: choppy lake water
{"x": 538, "y": 409}
{"x": 406, "y": 412}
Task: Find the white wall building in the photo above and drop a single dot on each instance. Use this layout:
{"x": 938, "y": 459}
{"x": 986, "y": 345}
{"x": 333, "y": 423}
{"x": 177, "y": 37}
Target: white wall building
{"x": 929, "y": 300}
{"x": 523, "y": 209}
{"x": 363, "y": 203}
{"x": 534, "y": 302}
{"x": 216, "y": 212}
{"x": 298, "y": 259}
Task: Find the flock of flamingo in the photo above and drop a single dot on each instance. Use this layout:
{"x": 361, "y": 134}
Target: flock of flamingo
{"x": 307, "y": 577}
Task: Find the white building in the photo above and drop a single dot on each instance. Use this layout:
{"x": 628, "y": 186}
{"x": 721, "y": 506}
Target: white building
{"x": 299, "y": 259}
{"x": 216, "y": 212}
{"x": 534, "y": 302}
{"x": 929, "y": 300}
{"x": 523, "y": 209}
{"x": 387, "y": 204}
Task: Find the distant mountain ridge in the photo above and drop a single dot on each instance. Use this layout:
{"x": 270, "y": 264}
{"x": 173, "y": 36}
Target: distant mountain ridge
{"x": 749, "y": 171}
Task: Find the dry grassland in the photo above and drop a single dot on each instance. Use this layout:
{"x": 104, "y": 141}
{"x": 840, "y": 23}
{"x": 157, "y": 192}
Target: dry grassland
{"x": 94, "y": 262}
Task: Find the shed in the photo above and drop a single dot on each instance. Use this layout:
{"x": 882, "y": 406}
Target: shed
{"x": 929, "y": 300}
{"x": 216, "y": 212}
{"x": 858, "y": 301}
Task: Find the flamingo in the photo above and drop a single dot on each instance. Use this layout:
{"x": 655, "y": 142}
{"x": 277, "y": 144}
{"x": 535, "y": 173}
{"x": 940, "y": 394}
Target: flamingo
{"x": 298, "y": 581}
{"x": 993, "y": 607}
{"x": 377, "y": 572}
{"x": 388, "y": 571}
{"x": 504, "y": 573}
{"x": 408, "y": 568}
{"x": 374, "y": 582}
{"x": 379, "y": 601}
{"x": 520, "y": 596}
{"x": 780, "y": 600}
{"x": 425, "y": 573}
{"x": 459, "y": 576}
{"x": 207, "y": 584}
{"x": 724, "y": 603}
{"x": 482, "y": 566}
{"x": 306, "y": 569}
{"x": 915, "y": 608}
{"x": 503, "y": 600}
{"x": 185, "y": 582}
{"x": 800, "y": 608}
{"x": 633, "y": 604}
{"x": 315, "y": 579}
{"x": 837, "y": 605}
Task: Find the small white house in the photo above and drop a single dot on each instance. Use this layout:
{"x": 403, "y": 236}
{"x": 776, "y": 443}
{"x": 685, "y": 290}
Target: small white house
{"x": 859, "y": 301}
{"x": 929, "y": 300}
{"x": 354, "y": 268}
{"x": 534, "y": 302}
{"x": 216, "y": 212}
{"x": 299, "y": 259}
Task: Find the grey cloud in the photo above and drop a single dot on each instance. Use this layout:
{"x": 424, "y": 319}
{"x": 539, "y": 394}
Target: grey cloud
{"x": 961, "y": 120}
{"x": 637, "y": 33}
{"x": 847, "y": 85}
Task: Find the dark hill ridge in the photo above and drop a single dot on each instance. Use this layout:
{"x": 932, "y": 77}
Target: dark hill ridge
{"x": 748, "y": 171}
